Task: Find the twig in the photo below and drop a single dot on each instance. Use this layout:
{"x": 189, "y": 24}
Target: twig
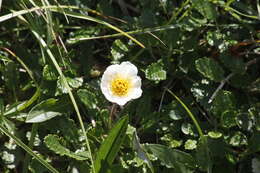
{"x": 163, "y": 94}
{"x": 222, "y": 83}
{"x": 253, "y": 61}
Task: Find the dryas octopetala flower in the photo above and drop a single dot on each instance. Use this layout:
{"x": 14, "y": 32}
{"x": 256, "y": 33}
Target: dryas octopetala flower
{"x": 120, "y": 83}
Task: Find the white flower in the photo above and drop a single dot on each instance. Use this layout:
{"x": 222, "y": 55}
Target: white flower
{"x": 120, "y": 83}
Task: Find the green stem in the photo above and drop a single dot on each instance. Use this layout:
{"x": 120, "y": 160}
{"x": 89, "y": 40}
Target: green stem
{"x": 139, "y": 31}
{"x": 111, "y": 115}
{"x": 188, "y": 111}
{"x": 30, "y": 145}
{"x": 27, "y": 149}
{"x": 44, "y": 45}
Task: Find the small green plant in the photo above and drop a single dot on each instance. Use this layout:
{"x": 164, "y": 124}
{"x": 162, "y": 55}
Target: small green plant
{"x": 182, "y": 95}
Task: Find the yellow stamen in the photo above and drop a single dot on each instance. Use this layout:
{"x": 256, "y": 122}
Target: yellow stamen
{"x": 120, "y": 86}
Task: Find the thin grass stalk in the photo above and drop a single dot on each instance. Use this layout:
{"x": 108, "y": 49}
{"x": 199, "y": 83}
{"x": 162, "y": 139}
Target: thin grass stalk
{"x": 188, "y": 111}
{"x": 71, "y": 14}
{"x": 30, "y": 145}
{"x": 44, "y": 45}
{"x": 28, "y": 150}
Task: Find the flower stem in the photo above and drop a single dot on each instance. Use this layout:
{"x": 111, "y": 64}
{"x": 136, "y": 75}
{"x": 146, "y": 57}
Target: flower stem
{"x": 111, "y": 115}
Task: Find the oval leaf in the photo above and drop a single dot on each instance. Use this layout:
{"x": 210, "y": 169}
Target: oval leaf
{"x": 45, "y": 110}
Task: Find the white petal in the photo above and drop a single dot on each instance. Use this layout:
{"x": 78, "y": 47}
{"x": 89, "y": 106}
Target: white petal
{"x": 136, "y": 82}
{"x": 111, "y": 72}
{"x": 119, "y": 100}
{"x": 136, "y": 93}
{"x": 128, "y": 68}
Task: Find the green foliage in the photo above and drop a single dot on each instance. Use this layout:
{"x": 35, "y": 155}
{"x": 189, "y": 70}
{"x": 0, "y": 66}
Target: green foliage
{"x": 210, "y": 69}
{"x": 46, "y": 110}
{"x": 111, "y": 145}
{"x": 52, "y": 142}
{"x": 199, "y": 65}
{"x": 179, "y": 160}
{"x": 155, "y": 72}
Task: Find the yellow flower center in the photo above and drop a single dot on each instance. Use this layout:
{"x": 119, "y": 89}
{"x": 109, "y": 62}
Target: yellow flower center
{"x": 120, "y": 87}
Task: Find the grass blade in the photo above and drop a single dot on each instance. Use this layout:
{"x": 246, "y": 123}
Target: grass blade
{"x": 110, "y": 147}
{"x": 44, "y": 45}
{"x": 28, "y": 150}
{"x": 68, "y": 13}
{"x": 188, "y": 111}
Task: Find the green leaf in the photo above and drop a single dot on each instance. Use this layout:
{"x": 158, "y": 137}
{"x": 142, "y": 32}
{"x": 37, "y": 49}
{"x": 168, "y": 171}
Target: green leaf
{"x": 203, "y": 154}
{"x": 228, "y": 119}
{"x": 190, "y": 144}
{"x": 237, "y": 139}
{"x": 235, "y": 64}
{"x": 182, "y": 162}
{"x": 214, "y": 134}
{"x": 111, "y": 145}
{"x": 83, "y": 34}
{"x": 155, "y": 72}
{"x": 210, "y": 69}
{"x": 49, "y": 73}
{"x": 141, "y": 153}
{"x": 224, "y": 101}
{"x": 52, "y": 142}
{"x": 36, "y": 167}
{"x": 73, "y": 83}
{"x": 14, "y": 107}
{"x": 205, "y": 8}
{"x": 28, "y": 150}
{"x": 187, "y": 128}
{"x": 46, "y": 110}
{"x": 88, "y": 98}
{"x": 118, "y": 50}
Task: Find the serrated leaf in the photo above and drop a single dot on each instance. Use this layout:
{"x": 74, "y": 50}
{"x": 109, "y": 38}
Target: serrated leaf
{"x": 237, "y": 139}
{"x": 73, "y": 83}
{"x": 118, "y": 50}
{"x": 52, "y": 142}
{"x": 224, "y": 101}
{"x": 83, "y": 34}
{"x": 182, "y": 162}
{"x": 228, "y": 119}
{"x": 190, "y": 144}
{"x": 111, "y": 145}
{"x": 49, "y": 73}
{"x": 155, "y": 72}
{"x": 187, "y": 128}
{"x": 210, "y": 69}
{"x": 46, "y": 110}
